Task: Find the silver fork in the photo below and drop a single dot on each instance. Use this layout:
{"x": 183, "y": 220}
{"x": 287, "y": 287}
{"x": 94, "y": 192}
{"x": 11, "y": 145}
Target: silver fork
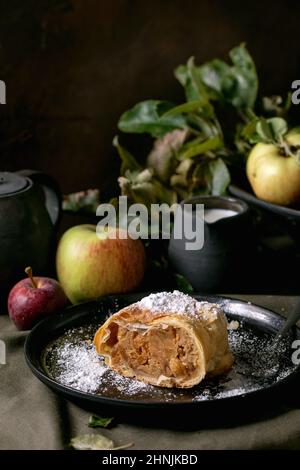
{"x": 289, "y": 323}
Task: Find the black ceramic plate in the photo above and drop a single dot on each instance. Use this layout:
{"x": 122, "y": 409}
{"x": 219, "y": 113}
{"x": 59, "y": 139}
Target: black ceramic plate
{"x": 59, "y": 352}
{"x": 293, "y": 215}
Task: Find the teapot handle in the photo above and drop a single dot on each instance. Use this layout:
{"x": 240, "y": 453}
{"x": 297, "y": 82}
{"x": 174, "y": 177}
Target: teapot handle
{"x": 51, "y": 192}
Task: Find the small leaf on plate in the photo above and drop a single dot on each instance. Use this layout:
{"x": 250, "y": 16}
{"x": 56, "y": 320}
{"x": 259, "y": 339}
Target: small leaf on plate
{"x": 95, "y": 442}
{"x": 183, "y": 284}
{"x": 99, "y": 422}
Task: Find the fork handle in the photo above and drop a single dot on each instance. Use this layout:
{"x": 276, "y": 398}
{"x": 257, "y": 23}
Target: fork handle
{"x": 290, "y": 321}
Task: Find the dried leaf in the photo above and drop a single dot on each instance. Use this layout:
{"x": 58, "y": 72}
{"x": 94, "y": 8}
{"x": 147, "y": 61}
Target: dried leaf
{"x": 91, "y": 442}
{"x": 95, "y": 442}
{"x": 144, "y": 188}
{"x": 162, "y": 157}
{"x": 82, "y": 201}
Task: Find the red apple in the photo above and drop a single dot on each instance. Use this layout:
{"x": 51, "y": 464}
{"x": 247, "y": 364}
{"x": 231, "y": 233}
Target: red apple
{"x": 34, "y": 298}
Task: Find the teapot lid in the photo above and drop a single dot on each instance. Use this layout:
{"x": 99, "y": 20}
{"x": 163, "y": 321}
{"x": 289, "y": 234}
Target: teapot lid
{"x": 11, "y": 183}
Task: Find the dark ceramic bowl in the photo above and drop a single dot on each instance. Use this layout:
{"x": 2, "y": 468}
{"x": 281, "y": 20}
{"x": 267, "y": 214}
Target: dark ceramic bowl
{"x": 228, "y": 244}
{"x": 288, "y": 217}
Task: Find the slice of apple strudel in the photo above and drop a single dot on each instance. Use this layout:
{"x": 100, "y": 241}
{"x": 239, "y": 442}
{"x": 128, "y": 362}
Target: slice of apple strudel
{"x": 166, "y": 339}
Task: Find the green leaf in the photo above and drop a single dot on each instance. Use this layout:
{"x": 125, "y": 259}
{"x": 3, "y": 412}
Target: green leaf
{"x": 188, "y": 107}
{"x": 196, "y": 80}
{"x": 264, "y": 131}
{"x": 200, "y": 117}
{"x": 149, "y": 117}
{"x": 271, "y": 130}
{"x": 190, "y": 78}
{"x": 246, "y": 76}
{"x": 205, "y": 176}
{"x": 278, "y": 127}
{"x": 128, "y": 160}
{"x": 196, "y": 148}
{"x": 268, "y": 131}
{"x": 236, "y": 84}
{"x": 248, "y": 131}
{"x": 219, "y": 177}
{"x": 95, "y": 442}
{"x": 183, "y": 76}
{"x": 183, "y": 284}
{"x": 99, "y": 422}
{"x": 207, "y": 127}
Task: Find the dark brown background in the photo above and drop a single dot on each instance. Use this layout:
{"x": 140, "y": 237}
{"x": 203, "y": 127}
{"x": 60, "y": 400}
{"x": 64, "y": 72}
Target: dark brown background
{"x": 72, "y": 66}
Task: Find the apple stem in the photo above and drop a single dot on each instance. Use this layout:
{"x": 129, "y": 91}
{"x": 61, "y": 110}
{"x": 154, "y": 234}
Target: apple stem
{"x": 285, "y": 149}
{"x": 28, "y": 271}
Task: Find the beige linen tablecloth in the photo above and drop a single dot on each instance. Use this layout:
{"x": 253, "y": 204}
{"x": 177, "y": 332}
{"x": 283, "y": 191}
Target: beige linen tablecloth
{"x": 33, "y": 417}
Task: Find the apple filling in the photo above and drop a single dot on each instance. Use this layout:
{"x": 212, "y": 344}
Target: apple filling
{"x": 152, "y": 354}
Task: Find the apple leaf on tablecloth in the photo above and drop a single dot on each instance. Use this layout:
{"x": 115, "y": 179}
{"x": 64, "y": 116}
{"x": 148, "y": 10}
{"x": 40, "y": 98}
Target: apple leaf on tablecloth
{"x": 99, "y": 422}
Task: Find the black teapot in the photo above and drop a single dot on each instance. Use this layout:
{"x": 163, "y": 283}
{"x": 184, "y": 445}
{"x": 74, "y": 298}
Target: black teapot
{"x": 30, "y": 206}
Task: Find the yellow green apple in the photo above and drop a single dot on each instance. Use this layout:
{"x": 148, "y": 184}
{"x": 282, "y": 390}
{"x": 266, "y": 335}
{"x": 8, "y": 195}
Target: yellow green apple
{"x": 274, "y": 174}
{"x": 90, "y": 265}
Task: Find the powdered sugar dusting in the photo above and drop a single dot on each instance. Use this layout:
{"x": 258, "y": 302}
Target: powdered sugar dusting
{"x": 80, "y": 366}
{"x": 179, "y": 303}
{"x": 72, "y": 361}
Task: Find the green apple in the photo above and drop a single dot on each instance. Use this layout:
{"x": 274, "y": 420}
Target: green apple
{"x": 89, "y": 266}
{"x": 275, "y": 175}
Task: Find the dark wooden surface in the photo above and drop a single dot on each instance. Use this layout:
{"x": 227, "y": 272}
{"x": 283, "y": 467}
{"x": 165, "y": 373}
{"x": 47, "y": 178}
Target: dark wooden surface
{"x": 71, "y": 67}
